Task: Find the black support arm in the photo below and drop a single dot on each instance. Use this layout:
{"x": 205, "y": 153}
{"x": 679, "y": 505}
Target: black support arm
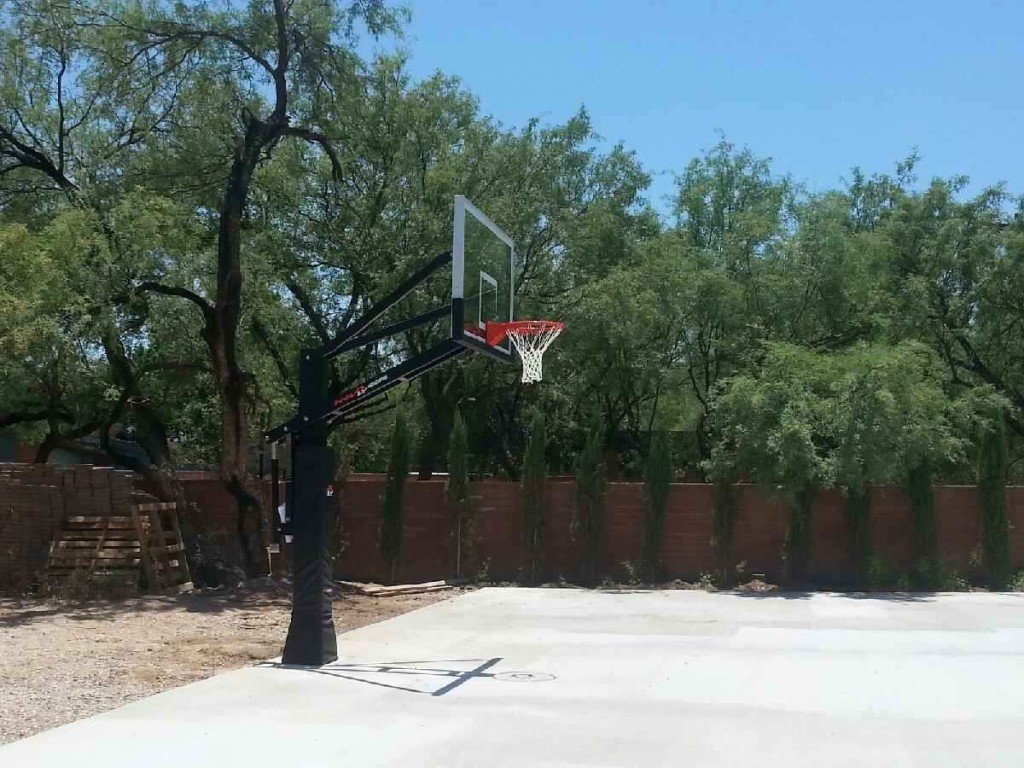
{"x": 338, "y": 346}
{"x": 368, "y": 393}
{"x": 391, "y": 330}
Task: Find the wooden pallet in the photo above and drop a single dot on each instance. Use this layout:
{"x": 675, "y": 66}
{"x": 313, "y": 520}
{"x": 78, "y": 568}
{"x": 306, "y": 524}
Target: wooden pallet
{"x": 100, "y": 551}
{"x": 163, "y": 557}
{"x": 129, "y": 552}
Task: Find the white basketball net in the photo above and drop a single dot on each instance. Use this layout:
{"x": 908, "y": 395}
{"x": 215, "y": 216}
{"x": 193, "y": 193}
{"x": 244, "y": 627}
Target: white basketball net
{"x": 531, "y": 340}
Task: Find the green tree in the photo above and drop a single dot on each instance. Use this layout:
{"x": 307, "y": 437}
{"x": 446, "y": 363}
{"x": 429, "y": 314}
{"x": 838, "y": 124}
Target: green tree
{"x": 954, "y": 269}
{"x": 534, "y": 477}
{"x": 287, "y": 60}
{"x": 72, "y": 157}
{"x": 890, "y": 412}
{"x": 459, "y": 498}
{"x": 732, "y": 214}
{"x": 804, "y": 420}
{"x": 392, "y": 524}
{"x": 624, "y": 359}
{"x": 588, "y": 522}
{"x": 775, "y": 426}
{"x": 657, "y": 482}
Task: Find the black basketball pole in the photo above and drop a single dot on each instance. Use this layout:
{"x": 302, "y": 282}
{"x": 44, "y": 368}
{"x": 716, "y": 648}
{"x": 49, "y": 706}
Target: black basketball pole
{"x": 311, "y": 634}
{"x": 311, "y": 639}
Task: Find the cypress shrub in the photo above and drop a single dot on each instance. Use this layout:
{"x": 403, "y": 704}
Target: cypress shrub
{"x": 798, "y": 536}
{"x": 535, "y": 470}
{"x": 926, "y": 572}
{"x": 458, "y": 494}
{"x": 995, "y": 528}
{"x": 724, "y": 508}
{"x": 657, "y": 479}
{"x": 392, "y": 519}
{"x": 588, "y": 522}
{"x": 858, "y": 531}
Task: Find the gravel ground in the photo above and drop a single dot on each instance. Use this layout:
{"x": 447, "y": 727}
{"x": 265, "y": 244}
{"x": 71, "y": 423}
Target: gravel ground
{"x": 62, "y": 661}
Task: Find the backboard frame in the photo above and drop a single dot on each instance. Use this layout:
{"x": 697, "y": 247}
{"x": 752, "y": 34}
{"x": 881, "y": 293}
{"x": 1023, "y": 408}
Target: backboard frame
{"x": 461, "y": 333}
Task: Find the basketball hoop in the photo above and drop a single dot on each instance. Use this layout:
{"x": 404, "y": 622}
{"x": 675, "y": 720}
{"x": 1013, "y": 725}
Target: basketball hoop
{"x": 531, "y": 338}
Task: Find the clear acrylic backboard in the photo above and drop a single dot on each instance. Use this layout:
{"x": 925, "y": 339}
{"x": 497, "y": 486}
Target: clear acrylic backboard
{"x": 483, "y": 264}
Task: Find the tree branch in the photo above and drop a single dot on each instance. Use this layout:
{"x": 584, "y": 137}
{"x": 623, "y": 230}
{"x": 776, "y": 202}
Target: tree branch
{"x": 29, "y": 157}
{"x": 151, "y": 286}
{"x": 25, "y": 417}
{"x": 311, "y": 313}
{"x": 283, "y": 56}
{"x": 315, "y": 137}
{"x": 172, "y": 31}
{"x": 260, "y": 332}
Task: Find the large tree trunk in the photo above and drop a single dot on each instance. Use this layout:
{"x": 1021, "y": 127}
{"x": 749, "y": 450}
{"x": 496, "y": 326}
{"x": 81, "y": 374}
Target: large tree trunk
{"x": 234, "y": 472}
{"x": 221, "y": 336}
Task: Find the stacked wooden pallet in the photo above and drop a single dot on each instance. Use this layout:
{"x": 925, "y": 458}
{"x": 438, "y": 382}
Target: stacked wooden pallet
{"x": 140, "y": 551}
{"x": 101, "y": 550}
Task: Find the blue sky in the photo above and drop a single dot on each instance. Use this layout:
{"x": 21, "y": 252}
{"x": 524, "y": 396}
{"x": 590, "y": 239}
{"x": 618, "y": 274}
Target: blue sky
{"x": 819, "y": 87}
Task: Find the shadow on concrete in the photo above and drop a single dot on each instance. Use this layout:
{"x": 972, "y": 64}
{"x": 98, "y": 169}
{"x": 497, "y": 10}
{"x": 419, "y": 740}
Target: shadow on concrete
{"x": 437, "y": 678}
{"x": 393, "y": 673}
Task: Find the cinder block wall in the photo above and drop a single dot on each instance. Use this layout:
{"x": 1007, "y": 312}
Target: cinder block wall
{"x": 35, "y": 498}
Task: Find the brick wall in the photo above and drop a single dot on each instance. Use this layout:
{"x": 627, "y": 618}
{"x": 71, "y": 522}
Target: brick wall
{"x": 34, "y": 499}
{"x": 762, "y": 518}
{"x": 218, "y": 518}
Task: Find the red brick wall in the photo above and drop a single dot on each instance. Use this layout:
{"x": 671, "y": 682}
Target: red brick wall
{"x": 217, "y": 521}
{"x": 34, "y": 499}
{"x": 762, "y": 518}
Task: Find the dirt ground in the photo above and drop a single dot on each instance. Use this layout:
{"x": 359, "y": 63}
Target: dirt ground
{"x": 62, "y": 661}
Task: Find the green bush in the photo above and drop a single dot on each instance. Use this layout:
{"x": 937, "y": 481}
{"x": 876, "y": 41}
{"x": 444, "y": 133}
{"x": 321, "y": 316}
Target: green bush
{"x": 878, "y": 574}
{"x": 707, "y": 581}
{"x": 933, "y": 575}
{"x": 926, "y": 573}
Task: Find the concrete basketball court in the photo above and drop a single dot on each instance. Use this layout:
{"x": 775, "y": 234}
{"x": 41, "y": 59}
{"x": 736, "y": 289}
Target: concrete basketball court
{"x": 570, "y": 678}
